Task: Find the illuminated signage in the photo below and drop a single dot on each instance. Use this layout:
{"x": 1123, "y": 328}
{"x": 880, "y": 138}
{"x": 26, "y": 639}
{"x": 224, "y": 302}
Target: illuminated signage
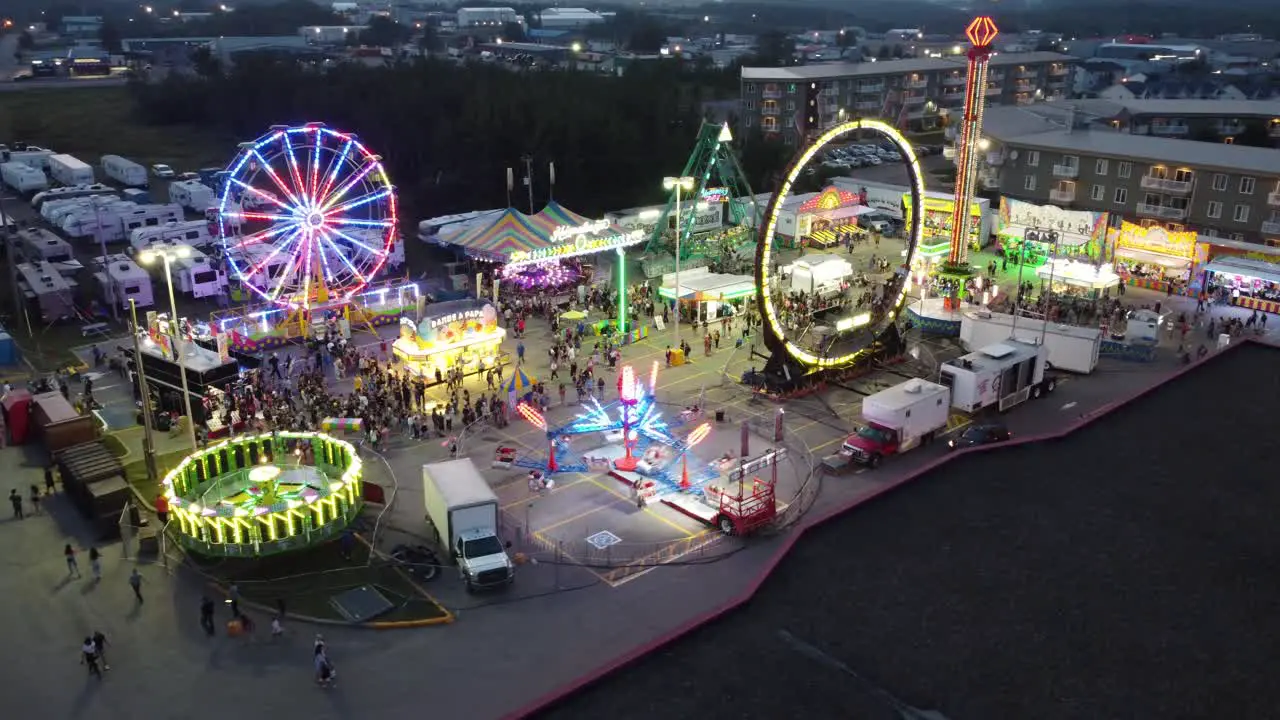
{"x": 1179, "y": 244}
{"x": 574, "y": 241}
{"x": 715, "y": 195}
{"x": 456, "y": 317}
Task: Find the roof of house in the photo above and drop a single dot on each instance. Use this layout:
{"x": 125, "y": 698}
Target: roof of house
{"x": 1195, "y": 106}
{"x": 826, "y": 71}
{"x": 1108, "y": 143}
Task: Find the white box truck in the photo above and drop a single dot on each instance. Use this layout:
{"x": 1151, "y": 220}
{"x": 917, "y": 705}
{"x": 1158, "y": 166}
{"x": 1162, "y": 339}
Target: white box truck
{"x": 124, "y": 171}
{"x": 464, "y": 511}
{"x": 192, "y": 195}
{"x": 70, "y": 170}
{"x": 898, "y": 419}
{"x": 22, "y": 177}
{"x": 1071, "y": 348}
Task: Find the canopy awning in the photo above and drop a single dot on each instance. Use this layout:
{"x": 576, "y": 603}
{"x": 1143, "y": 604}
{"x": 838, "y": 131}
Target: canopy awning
{"x": 711, "y": 287}
{"x": 1244, "y": 267}
{"x": 1146, "y": 256}
{"x": 1017, "y": 232}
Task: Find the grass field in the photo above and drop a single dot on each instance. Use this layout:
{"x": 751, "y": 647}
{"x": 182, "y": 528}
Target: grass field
{"x": 92, "y": 121}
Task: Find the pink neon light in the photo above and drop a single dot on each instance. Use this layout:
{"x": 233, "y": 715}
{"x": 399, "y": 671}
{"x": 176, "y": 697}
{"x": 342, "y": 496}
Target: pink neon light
{"x": 699, "y": 434}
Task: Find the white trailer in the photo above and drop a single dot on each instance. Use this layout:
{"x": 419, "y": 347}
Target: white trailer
{"x": 1003, "y": 375}
{"x": 898, "y": 419}
{"x": 149, "y": 216}
{"x": 41, "y": 245}
{"x": 56, "y": 211}
{"x": 51, "y": 295}
{"x": 1071, "y": 348}
{"x": 36, "y": 157}
{"x": 259, "y": 256}
{"x": 23, "y": 178}
{"x": 194, "y": 233}
{"x": 192, "y": 195}
{"x": 73, "y": 191}
{"x": 198, "y": 275}
{"x": 99, "y": 220}
{"x": 124, "y": 171}
{"x": 464, "y": 510}
{"x": 120, "y": 279}
{"x": 70, "y": 170}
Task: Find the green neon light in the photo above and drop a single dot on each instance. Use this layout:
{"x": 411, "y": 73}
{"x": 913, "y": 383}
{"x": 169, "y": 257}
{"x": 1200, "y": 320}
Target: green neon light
{"x": 622, "y": 290}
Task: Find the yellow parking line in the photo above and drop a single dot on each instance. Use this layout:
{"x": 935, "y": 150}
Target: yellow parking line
{"x": 557, "y": 488}
{"x": 574, "y": 518}
{"x": 647, "y": 511}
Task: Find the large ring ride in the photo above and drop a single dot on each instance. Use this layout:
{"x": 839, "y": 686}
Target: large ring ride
{"x": 264, "y": 494}
{"x": 883, "y": 317}
{"x": 307, "y": 216}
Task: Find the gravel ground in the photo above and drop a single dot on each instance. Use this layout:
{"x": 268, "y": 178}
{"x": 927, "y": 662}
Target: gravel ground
{"x": 1129, "y": 570}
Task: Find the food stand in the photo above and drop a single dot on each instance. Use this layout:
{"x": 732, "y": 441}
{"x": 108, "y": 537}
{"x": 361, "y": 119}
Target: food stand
{"x": 1252, "y": 284}
{"x": 938, "y": 213}
{"x": 1081, "y": 233}
{"x": 710, "y": 293}
{"x": 1153, "y": 257}
{"x": 459, "y": 333}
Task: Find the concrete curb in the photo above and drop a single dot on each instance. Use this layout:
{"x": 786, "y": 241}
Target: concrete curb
{"x": 563, "y": 692}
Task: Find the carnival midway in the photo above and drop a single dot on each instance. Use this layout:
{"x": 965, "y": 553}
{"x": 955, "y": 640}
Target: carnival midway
{"x": 565, "y": 400}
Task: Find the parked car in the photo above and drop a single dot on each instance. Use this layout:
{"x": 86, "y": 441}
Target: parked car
{"x": 985, "y": 434}
{"x": 873, "y": 160}
{"x": 189, "y": 176}
{"x": 161, "y": 170}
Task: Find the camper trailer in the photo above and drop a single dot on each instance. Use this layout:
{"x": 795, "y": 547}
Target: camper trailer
{"x": 120, "y": 280}
{"x": 146, "y": 216}
{"x": 74, "y": 191}
{"x": 58, "y": 210}
{"x": 192, "y": 195}
{"x": 23, "y": 178}
{"x": 40, "y": 245}
{"x": 97, "y": 220}
{"x": 194, "y": 233}
{"x": 124, "y": 171}
{"x": 112, "y": 223}
{"x": 70, "y": 170}
{"x": 254, "y": 256}
{"x": 49, "y": 295}
{"x": 198, "y": 276}
{"x": 36, "y": 157}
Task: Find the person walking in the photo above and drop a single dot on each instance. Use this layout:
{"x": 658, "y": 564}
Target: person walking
{"x": 89, "y": 656}
{"x": 16, "y": 500}
{"x": 48, "y": 480}
{"x": 35, "y": 499}
{"x": 100, "y": 648}
{"x": 95, "y": 563}
{"x": 206, "y": 615}
{"x": 73, "y": 568}
{"x": 135, "y": 582}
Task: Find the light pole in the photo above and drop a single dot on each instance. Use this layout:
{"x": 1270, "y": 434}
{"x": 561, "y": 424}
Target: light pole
{"x": 148, "y": 440}
{"x": 168, "y": 254}
{"x": 680, "y": 185}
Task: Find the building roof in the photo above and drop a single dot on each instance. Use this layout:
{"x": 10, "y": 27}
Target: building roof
{"x": 1194, "y": 107}
{"x": 1108, "y": 143}
{"x": 827, "y": 71}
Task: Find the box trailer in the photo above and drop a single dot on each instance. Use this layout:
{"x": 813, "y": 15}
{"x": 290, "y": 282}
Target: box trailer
{"x": 124, "y": 171}
{"x": 1071, "y": 348}
{"x": 192, "y": 195}
{"x": 70, "y": 170}
{"x": 120, "y": 280}
{"x": 464, "y": 511}
{"x": 1000, "y": 375}
{"x": 898, "y": 419}
{"x": 23, "y": 178}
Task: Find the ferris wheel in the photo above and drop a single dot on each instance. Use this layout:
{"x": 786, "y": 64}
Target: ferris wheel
{"x": 307, "y": 215}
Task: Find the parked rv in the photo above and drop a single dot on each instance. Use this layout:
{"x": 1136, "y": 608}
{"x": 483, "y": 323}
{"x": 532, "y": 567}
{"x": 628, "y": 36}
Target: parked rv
{"x": 50, "y": 296}
{"x": 40, "y": 245}
{"x": 72, "y": 191}
{"x": 116, "y": 222}
{"x": 23, "y": 178}
{"x": 191, "y": 194}
{"x": 194, "y": 233}
{"x": 36, "y": 157}
{"x": 198, "y": 276}
{"x": 124, "y": 171}
{"x": 70, "y": 170}
{"x": 120, "y": 280}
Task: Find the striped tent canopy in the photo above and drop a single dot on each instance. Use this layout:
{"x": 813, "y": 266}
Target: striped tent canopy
{"x": 555, "y": 215}
{"x": 520, "y": 383}
{"x": 510, "y": 231}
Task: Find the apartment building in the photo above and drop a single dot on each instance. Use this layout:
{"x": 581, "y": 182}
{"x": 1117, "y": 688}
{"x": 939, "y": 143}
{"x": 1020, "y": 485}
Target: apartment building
{"x": 1225, "y": 120}
{"x": 913, "y": 94}
{"x": 1217, "y": 190}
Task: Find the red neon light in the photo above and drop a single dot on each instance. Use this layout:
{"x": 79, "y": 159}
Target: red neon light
{"x": 982, "y": 31}
{"x": 533, "y": 416}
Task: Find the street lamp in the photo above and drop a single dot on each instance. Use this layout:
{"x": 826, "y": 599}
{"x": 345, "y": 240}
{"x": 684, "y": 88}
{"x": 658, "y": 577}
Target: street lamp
{"x": 168, "y": 255}
{"x": 681, "y": 185}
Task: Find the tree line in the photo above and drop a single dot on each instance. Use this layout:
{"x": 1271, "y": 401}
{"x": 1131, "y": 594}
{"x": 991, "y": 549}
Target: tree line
{"x": 448, "y": 132}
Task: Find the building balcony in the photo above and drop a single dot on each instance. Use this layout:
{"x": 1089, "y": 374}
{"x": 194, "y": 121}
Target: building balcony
{"x": 1058, "y": 70}
{"x": 830, "y": 91}
{"x": 1177, "y": 130}
{"x": 1066, "y": 171}
{"x": 1174, "y": 187}
{"x": 1229, "y": 128}
{"x": 993, "y": 90}
{"x": 1062, "y": 195}
{"x": 1058, "y": 84}
{"x": 952, "y": 100}
{"x": 871, "y": 87}
{"x": 995, "y": 158}
{"x": 953, "y": 81}
{"x": 1164, "y": 212}
{"x": 868, "y": 105}
{"x": 916, "y": 84}
{"x": 1023, "y": 86}
{"x": 770, "y": 111}
{"x": 1025, "y": 74}
{"x": 995, "y": 75}
{"x": 771, "y": 94}
{"x": 1273, "y": 199}
{"x": 914, "y": 99}
{"x": 1271, "y": 227}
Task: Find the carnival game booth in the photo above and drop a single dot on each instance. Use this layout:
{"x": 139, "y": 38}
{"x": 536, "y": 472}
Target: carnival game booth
{"x": 1081, "y": 233}
{"x": 820, "y": 274}
{"x": 1253, "y": 284}
{"x": 1153, "y": 257}
{"x": 1078, "y": 278}
{"x": 710, "y": 295}
{"x": 208, "y": 373}
{"x": 461, "y": 333}
{"x": 938, "y": 211}
{"x": 821, "y": 219}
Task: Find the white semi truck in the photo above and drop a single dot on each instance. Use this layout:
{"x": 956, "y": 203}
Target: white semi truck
{"x": 464, "y": 511}
{"x": 1070, "y": 348}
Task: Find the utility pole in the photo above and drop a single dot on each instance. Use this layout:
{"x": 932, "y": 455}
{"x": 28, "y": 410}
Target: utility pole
{"x": 148, "y": 442}
{"x": 528, "y": 178}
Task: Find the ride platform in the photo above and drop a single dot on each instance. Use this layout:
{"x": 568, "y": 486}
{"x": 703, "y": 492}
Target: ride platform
{"x": 935, "y": 316}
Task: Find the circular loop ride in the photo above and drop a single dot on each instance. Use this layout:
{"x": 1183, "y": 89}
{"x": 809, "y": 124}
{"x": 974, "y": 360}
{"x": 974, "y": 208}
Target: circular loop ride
{"x": 307, "y": 216}
{"x": 265, "y": 494}
{"x": 867, "y": 327}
